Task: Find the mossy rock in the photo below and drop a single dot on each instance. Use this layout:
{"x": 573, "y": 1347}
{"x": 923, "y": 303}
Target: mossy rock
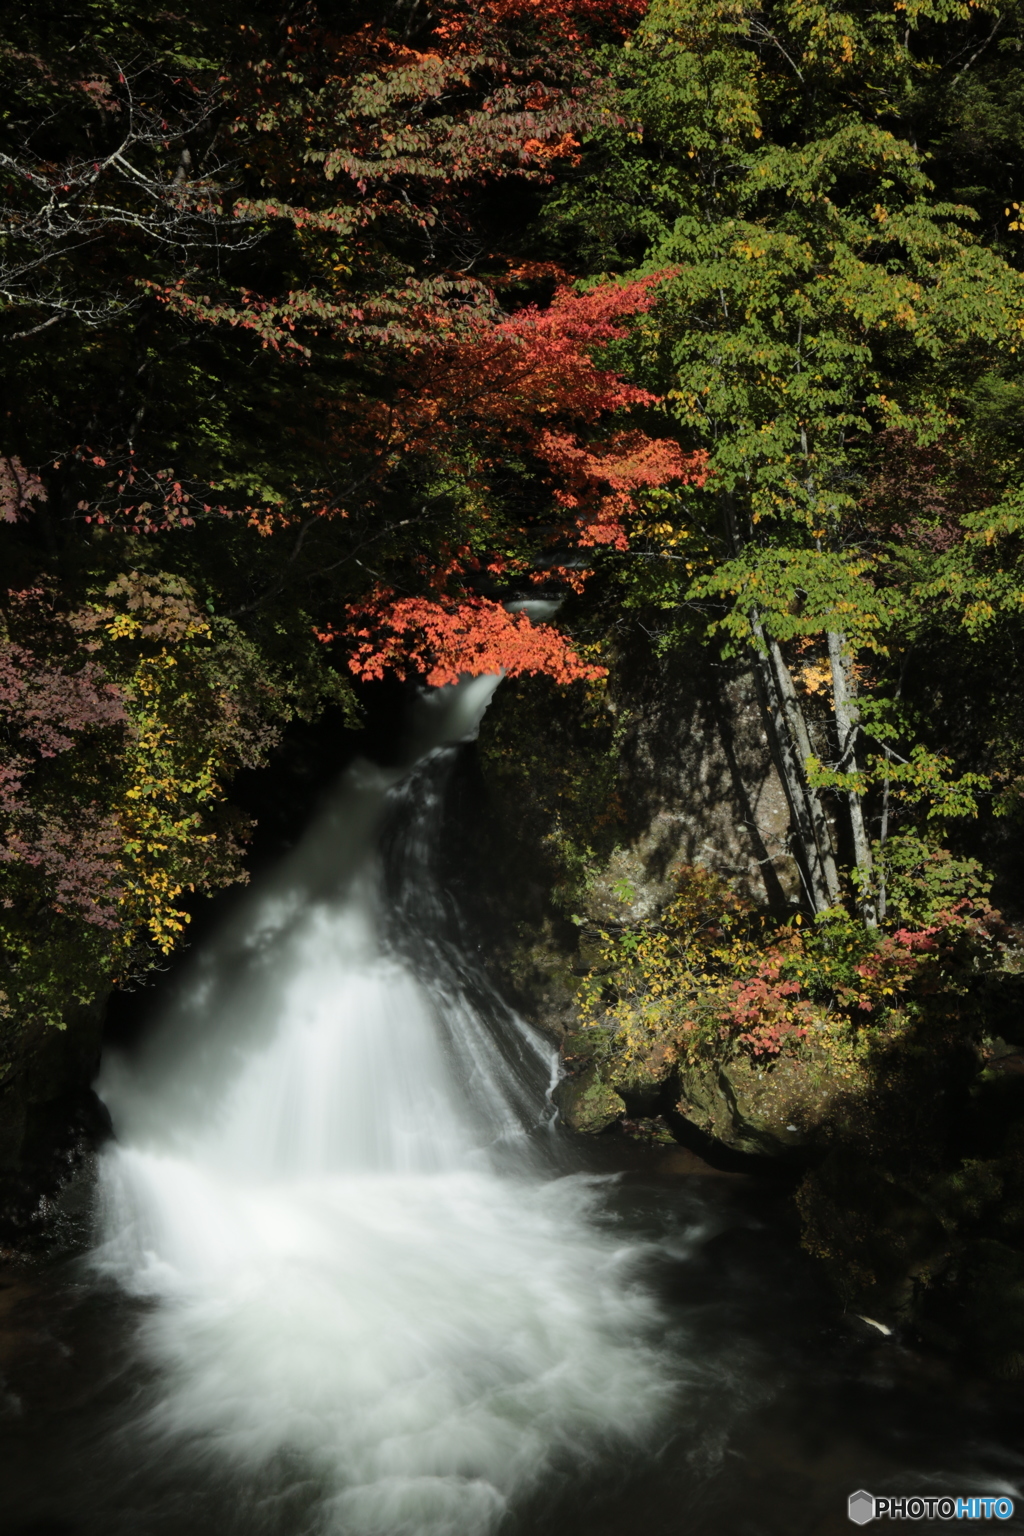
{"x": 587, "y": 1104}
{"x": 750, "y": 1108}
{"x": 596, "y": 954}
{"x": 702, "y": 1101}
{"x": 762, "y": 1103}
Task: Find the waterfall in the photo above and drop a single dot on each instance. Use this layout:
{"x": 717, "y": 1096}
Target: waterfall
{"x": 370, "y": 1301}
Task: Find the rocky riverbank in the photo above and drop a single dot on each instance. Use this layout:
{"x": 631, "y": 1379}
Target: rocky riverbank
{"x": 887, "y": 1087}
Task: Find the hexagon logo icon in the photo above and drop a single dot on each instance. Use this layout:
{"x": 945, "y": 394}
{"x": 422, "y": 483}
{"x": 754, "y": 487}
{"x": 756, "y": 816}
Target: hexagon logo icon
{"x": 861, "y": 1507}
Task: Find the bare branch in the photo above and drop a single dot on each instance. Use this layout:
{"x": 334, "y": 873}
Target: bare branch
{"x": 976, "y": 55}
{"x": 64, "y": 207}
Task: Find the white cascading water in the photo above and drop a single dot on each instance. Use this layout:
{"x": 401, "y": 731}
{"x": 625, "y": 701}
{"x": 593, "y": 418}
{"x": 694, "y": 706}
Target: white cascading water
{"x": 322, "y": 1188}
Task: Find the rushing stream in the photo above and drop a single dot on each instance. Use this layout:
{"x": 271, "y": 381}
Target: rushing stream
{"x": 349, "y": 1279}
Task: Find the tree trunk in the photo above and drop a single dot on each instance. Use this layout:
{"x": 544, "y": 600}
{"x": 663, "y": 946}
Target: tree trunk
{"x": 788, "y": 728}
{"x": 882, "y": 838}
{"x": 793, "y": 749}
{"x": 847, "y": 723}
{"x": 786, "y": 764}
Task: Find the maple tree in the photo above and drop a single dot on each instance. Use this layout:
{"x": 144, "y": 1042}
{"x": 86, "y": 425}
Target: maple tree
{"x": 277, "y": 364}
{"x": 520, "y": 387}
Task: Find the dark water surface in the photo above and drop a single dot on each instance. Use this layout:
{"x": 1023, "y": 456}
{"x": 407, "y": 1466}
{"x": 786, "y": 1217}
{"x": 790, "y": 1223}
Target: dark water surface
{"x": 787, "y": 1405}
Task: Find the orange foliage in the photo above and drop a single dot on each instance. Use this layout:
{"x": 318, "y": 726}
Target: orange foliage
{"x": 414, "y": 636}
{"x": 527, "y": 384}
{"x": 530, "y": 382}
{"x": 625, "y": 462}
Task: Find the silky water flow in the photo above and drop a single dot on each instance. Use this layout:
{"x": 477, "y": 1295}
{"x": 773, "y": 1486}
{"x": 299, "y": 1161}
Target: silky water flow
{"x": 368, "y": 1294}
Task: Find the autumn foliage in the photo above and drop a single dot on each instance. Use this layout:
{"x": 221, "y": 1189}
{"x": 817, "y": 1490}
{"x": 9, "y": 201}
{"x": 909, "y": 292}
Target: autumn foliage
{"x": 530, "y": 383}
{"x": 529, "y": 448}
{"x": 713, "y": 974}
{"x": 55, "y": 706}
{"x": 526, "y": 385}
{"x": 572, "y": 19}
{"x": 440, "y": 642}
{"x": 298, "y": 378}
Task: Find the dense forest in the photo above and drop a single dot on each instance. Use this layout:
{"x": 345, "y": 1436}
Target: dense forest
{"x": 336, "y": 334}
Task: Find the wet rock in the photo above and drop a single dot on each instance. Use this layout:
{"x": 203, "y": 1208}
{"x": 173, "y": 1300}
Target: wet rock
{"x": 651, "y": 1130}
{"x": 1011, "y": 1063}
{"x": 682, "y": 1162}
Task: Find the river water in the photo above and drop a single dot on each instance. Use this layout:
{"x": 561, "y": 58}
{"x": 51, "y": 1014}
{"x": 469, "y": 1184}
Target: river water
{"x": 340, "y": 1273}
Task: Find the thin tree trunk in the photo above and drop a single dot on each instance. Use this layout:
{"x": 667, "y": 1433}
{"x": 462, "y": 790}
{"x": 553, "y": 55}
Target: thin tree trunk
{"x": 786, "y": 765}
{"x": 797, "y": 726}
{"x": 792, "y": 749}
{"x": 848, "y": 723}
{"x": 882, "y": 839}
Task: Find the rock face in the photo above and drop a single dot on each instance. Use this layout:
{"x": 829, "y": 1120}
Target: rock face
{"x": 697, "y": 785}
{"x": 906, "y": 1154}
{"x": 598, "y": 800}
{"x": 589, "y": 811}
{"x": 617, "y": 800}
{"x": 575, "y": 814}
{"x": 698, "y": 763}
